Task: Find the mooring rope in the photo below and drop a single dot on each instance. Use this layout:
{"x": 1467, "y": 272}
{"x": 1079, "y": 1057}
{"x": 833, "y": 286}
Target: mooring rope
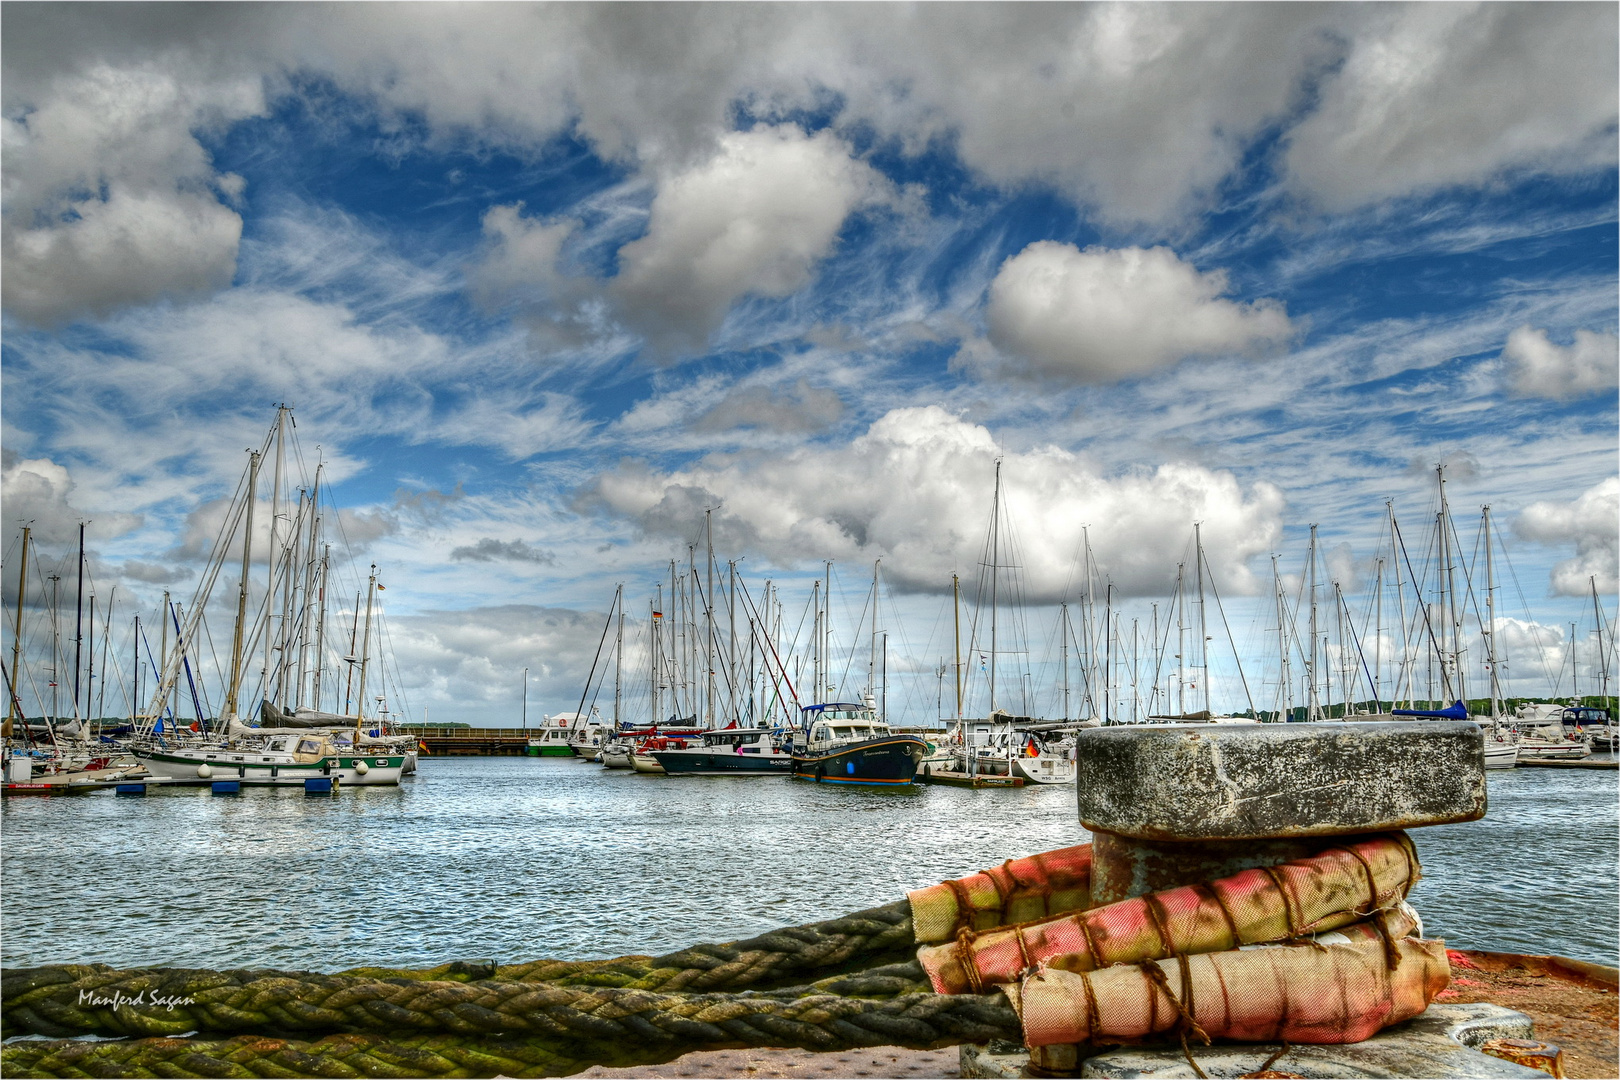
{"x": 61, "y": 1000}
{"x": 605, "y": 1026}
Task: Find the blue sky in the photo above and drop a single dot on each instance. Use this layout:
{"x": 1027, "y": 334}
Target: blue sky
{"x": 544, "y": 283}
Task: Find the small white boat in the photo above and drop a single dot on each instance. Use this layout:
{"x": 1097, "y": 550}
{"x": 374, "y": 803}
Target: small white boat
{"x": 1044, "y": 761}
{"x": 1501, "y": 754}
{"x": 1551, "y": 744}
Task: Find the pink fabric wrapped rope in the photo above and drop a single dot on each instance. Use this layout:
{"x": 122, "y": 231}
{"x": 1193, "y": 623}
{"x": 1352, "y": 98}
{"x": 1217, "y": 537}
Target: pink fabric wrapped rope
{"x": 1018, "y": 890}
{"x": 1302, "y": 993}
{"x": 1331, "y": 889}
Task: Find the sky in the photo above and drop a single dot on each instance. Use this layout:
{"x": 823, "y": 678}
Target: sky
{"x": 549, "y": 288}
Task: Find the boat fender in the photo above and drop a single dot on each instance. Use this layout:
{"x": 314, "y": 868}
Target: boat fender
{"x": 205, "y": 770}
{"x": 361, "y": 767}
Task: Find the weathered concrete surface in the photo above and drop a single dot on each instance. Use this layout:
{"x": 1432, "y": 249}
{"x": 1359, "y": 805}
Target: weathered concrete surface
{"x": 1194, "y": 782}
{"x": 1437, "y": 1044}
{"x": 1122, "y": 867}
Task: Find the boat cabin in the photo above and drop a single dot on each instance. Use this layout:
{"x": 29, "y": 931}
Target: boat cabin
{"x": 837, "y": 723}
{"x": 739, "y": 740}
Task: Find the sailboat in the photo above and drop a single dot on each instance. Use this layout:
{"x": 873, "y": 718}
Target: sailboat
{"x": 1002, "y": 744}
{"x": 302, "y": 743}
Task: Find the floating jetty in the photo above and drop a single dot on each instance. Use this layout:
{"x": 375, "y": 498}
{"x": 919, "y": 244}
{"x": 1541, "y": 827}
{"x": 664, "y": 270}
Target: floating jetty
{"x": 960, "y": 779}
{"x": 1578, "y": 763}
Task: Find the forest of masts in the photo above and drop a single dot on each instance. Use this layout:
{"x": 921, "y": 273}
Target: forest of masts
{"x": 312, "y": 649}
{"x": 710, "y": 650}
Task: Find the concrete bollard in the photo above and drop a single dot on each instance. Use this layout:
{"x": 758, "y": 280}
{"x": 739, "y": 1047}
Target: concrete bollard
{"x": 1177, "y": 804}
{"x": 1174, "y": 804}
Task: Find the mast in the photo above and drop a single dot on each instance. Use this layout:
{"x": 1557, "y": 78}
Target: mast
{"x": 90, "y": 668}
{"x": 1378, "y": 638}
{"x": 1108, "y": 653}
{"x": 78, "y": 628}
{"x": 135, "y": 683}
{"x": 1181, "y": 639}
{"x": 675, "y": 655}
{"x": 1203, "y": 624}
{"x": 233, "y": 691}
{"x": 826, "y": 631}
{"x": 872, "y": 663}
{"x": 1158, "y": 658}
{"x": 320, "y": 629}
{"x": 1450, "y": 570}
{"x": 56, "y": 649}
{"x": 284, "y": 635}
{"x": 1574, "y": 669}
{"x": 1136, "y": 671}
{"x": 1490, "y": 614}
{"x": 815, "y": 639}
{"x": 995, "y": 558}
{"x": 106, "y": 636}
{"x": 1407, "y": 668}
{"x": 884, "y": 699}
{"x": 275, "y": 520}
{"x": 365, "y": 648}
{"x": 1063, "y": 637}
{"x": 13, "y": 710}
{"x": 1313, "y": 703}
{"x": 163, "y": 636}
{"x": 653, "y": 616}
{"x": 618, "y": 660}
{"x": 525, "y": 692}
{"x": 1597, "y": 621}
{"x": 1284, "y": 677}
{"x": 309, "y": 614}
{"x": 1327, "y": 668}
{"x": 708, "y": 615}
{"x": 956, "y": 618}
{"x": 731, "y": 637}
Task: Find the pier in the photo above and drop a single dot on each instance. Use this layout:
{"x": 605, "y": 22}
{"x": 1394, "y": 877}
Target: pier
{"x": 959, "y": 779}
{"x": 474, "y": 742}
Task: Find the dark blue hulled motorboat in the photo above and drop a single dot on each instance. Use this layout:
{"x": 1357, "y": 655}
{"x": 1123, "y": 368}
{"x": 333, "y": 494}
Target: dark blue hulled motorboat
{"x": 845, "y": 743}
{"x": 731, "y": 751}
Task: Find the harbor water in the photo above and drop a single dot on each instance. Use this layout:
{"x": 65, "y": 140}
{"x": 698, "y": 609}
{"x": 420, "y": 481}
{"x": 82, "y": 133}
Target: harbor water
{"x": 513, "y": 859}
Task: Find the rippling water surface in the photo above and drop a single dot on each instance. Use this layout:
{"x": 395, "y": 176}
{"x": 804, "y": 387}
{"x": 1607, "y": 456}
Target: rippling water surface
{"x": 516, "y": 858}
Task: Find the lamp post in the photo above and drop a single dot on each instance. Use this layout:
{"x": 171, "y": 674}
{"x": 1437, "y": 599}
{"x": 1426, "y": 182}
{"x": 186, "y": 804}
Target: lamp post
{"x": 525, "y": 699}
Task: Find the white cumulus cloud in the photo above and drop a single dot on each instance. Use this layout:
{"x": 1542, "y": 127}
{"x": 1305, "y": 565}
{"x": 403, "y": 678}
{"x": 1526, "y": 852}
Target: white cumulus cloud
{"x": 1537, "y": 367}
{"x": 1431, "y": 95}
{"x": 110, "y": 200}
{"x": 916, "y": 488}
{"x": 1592, "y": 523}
{"x": 752, "y": 220}
{"x": 38, "y": 493}
{"x": 1099, "y": 315}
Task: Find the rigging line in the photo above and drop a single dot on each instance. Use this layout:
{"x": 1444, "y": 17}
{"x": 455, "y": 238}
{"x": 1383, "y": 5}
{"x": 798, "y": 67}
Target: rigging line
{"x": 208, "y": 635}
{"x": 1359, "y": 651}
{"x": 613, "y": 607}
{"x": 1229, "y": 640}
{"x": 849, "y": 659}
{"x": 1524, "y": 607}
{"x": 156, "y": 674}
{"x": 1422, "y": 607}
{"x": 748, "y": 599}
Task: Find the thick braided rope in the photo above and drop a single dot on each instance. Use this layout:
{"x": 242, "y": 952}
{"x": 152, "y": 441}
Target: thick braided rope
{"x": 63, "y": 1000}
{"x": 175, "y": 1001}
{"x": 629, "y": 1028}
